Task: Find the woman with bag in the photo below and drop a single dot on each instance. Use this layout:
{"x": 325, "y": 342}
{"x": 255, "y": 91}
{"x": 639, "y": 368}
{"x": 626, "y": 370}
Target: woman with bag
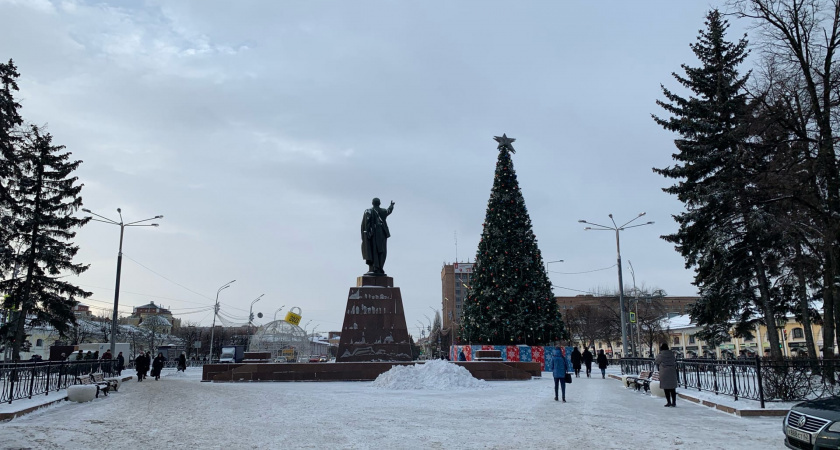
{"x": 668, "y": 380}
{"x": 561, "y": 367}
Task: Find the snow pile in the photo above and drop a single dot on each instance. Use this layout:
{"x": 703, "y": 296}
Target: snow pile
{"x": 435, "y": 375}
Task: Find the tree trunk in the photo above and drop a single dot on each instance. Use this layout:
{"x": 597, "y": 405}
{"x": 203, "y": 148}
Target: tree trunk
{"x": 766, "y": 305}
{"x": 802, "y": 292}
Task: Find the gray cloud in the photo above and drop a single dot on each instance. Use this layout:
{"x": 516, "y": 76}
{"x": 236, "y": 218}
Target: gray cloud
{"x": 261, "y": 130}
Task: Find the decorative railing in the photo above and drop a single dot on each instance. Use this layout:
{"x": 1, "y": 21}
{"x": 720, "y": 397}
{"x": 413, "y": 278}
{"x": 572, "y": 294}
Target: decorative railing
{"x": 761, "y": 379}
{"x": 27, "y": 379}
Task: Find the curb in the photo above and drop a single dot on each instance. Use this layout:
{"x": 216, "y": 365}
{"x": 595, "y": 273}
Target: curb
{"x": 11, "y": 415}
{"x": 725, "y": 408}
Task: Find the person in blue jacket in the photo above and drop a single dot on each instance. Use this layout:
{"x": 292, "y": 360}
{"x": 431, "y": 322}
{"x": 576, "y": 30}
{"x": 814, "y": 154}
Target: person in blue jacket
{"x": 561, "y": 366}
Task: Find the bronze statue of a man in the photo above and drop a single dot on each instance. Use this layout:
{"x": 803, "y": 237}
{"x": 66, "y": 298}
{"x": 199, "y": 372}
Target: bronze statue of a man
{"x": 375, "y": 236}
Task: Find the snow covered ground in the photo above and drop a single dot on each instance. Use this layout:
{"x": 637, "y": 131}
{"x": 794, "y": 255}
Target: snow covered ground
{"x": 439, "y": 409}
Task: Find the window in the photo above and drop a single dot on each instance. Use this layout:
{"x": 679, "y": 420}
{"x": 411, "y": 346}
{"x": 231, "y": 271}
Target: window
{"x": 676, "y": 340}
{"x": 798, "y": 333}
{"x": 39, "y": 343}
{"x": 691, "y": 339}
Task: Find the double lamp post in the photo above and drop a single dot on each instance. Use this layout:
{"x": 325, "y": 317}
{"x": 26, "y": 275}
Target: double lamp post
{"x": 122, "y": 226}
{"x": 617, "y": 228}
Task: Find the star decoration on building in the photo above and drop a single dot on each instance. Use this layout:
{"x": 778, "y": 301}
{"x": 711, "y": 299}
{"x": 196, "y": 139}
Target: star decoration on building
{"x": 505, "y": 143}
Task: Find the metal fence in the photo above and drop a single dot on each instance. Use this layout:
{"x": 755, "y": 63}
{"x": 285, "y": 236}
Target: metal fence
{"x": 761, "y": 379}
{"x": 27, "y": 379}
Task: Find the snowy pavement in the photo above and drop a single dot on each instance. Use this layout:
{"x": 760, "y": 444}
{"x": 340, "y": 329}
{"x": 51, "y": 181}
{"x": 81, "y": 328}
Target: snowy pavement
{"x": 181, "y": 411}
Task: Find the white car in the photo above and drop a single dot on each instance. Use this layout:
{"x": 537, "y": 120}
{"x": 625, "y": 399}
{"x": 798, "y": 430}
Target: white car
{"x": 280, "y": 359}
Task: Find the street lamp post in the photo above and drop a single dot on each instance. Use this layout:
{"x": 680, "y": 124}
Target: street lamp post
{"x": 251, "y": 311}
{"x": 122, "y": 226}
{"x": 617, "y": 228}
{"x": 216, "y": 311}
{"x": 278, "y": 310}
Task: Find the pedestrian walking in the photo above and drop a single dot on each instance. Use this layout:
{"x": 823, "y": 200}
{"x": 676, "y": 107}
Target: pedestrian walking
{"x": 587, "y": 361}
{"x": 182, "y": 362}
{"x": 667, "y": 364}
{"x": 602, "y": 363}
{"x": 560, "y": 370}
{"x": 157, "y": 365}
{"x": 576, "y": 357}
{"x": 120, "y": 363}
{"x": 139, "y": 365}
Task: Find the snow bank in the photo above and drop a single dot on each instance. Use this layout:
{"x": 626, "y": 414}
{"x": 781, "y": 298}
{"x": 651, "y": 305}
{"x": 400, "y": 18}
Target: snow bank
{"x": 435, "y": 375}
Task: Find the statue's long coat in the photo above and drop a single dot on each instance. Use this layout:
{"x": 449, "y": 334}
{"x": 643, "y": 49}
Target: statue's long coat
{"x": 374, "y": 234}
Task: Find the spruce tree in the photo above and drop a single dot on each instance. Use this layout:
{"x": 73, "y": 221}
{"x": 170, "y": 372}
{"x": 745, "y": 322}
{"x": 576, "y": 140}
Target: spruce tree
{"x": 725, "y": 231}
{"x": 10, "y": 122}
{"x": 510, "y": 300}
{"x": 47, "y": 195}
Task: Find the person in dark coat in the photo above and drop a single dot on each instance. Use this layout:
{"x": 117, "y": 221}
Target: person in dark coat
{"x": 140, "y": 366}
{"x": 461, "y": 355}
{"x": 576, "y": 357}
{"x": 602, "y": 363}
{"x": 120, "y": 363}
{"x": 157, "y": 366}
{"x": 182, "y": 362}
{"x": 587, "y": 361}
{"x": 668, "y": 380}
{"x": 561, "y": 367}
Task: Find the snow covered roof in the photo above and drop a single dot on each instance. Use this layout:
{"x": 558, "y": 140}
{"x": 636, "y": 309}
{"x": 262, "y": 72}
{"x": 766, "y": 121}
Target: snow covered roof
{"x": 678, "y": 322}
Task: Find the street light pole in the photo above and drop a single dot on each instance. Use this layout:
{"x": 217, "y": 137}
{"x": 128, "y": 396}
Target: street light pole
{"x": 621, "y": 306}
{"x": 278, "y": 310}
{"x": 122, "y": 226}
{"x": 216, "y": 311}
{"x": 251, "y": 311}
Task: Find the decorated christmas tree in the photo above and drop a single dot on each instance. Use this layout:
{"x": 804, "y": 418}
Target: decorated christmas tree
{"x": 510, "y": 299}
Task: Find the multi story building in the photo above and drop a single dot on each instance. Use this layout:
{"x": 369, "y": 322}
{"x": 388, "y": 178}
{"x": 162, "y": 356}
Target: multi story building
{"x": 141, "y": 313}
{"x": 82, "y": 312}
{"x": 673, "y": 306}
{"x": 682, "y": 339}
{"x": 454, "y": 281}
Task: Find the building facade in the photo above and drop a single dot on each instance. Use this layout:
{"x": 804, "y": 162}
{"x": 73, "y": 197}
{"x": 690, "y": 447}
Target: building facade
{"x": 682, "y": 340}
{"x": 673, "y": 306}
{"x": 455, "y": 279}
{"x": 142, "y": 313}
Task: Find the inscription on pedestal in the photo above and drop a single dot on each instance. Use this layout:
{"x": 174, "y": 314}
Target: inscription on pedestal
{"x": 374, "y": 324}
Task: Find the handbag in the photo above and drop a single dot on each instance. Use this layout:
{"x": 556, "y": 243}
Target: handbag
{"x": 568, "y": 378}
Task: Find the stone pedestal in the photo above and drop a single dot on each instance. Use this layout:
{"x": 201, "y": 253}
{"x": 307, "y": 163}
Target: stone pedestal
{"x": 374, "y": 323}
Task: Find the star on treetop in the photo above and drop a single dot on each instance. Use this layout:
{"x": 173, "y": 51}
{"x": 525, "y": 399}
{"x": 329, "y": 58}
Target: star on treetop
{"x": 505, "y": 143}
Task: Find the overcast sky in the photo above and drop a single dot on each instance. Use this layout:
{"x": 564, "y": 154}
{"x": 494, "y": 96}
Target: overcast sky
{"x": 262, "y": 130}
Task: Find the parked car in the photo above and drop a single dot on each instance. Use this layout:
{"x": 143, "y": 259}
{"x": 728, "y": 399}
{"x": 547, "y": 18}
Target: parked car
{"x": 314, "y": 359}
{"x": 813, "y": 424}
{"x": 323, "y": 359}
{"x": 280, "y": 359}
